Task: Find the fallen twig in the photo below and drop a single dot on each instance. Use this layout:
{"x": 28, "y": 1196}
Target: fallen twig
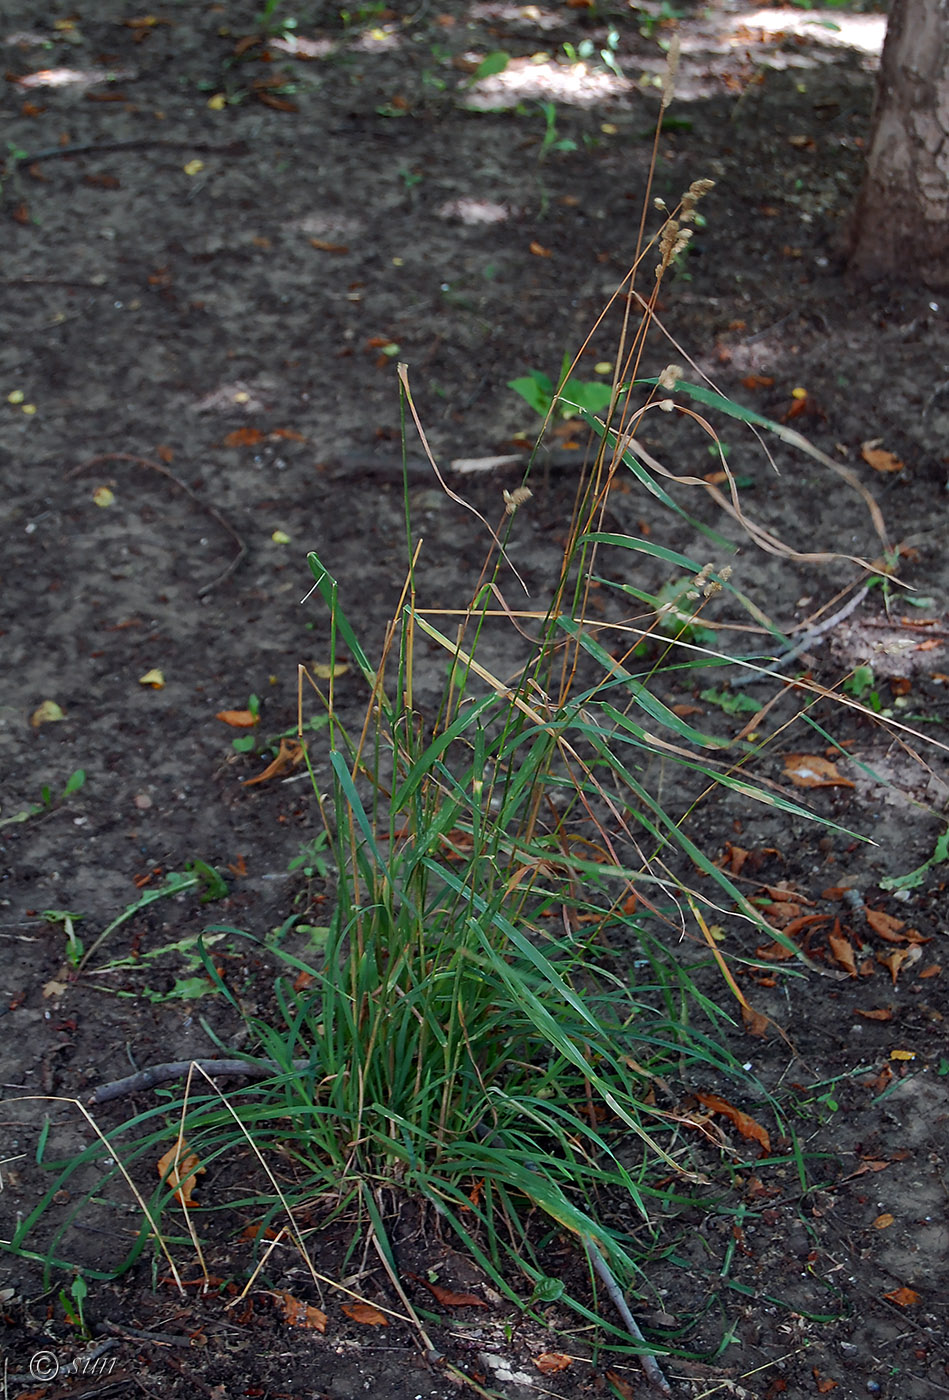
{"x": 784, "y": 658}
{"x": 91, "y": 148}
{"x": 214, "y": 513}
{"x": 177, "y": 1069}
{"x": 651, "y": 1368}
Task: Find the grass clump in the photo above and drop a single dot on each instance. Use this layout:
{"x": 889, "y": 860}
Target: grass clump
{"x": 466, "y": 1034}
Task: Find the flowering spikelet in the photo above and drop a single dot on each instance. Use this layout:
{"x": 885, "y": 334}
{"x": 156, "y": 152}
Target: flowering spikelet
{"x": 515, "y": 498}
{"x": 669, "y": 76}
{"x": 672, "y": 241}
{"x": 690, "y": 199}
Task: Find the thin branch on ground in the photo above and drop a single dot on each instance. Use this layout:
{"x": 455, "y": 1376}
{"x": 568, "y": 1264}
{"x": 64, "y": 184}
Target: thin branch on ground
{"x": 92, "y": 148}
{"x": 214, "y": 513}
{"x": 785, "y": 658}
{"x": 177, "y": 1069}
{"x": 651, "y": 1367}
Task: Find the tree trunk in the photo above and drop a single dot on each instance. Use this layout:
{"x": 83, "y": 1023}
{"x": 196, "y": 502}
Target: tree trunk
{"x": 901, "y": 222}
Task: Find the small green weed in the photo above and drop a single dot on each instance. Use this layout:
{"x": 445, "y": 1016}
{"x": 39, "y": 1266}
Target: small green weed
{"x": 47, "y": 801}
{"x": 862, "y": 686}
{"x": 569, "y": 398}
{"x": 73, "y": 1305}
{"x": 74, "y": 945}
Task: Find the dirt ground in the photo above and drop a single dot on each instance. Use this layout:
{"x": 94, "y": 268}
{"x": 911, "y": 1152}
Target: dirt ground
{"x": 215, "y": 251}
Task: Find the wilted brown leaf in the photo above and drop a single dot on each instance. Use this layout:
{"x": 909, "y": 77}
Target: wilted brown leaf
{"x": 238, "y": 719}
{"x": 884, "y": 1221}
{"x": 539, "y": 250}
{"x": 881, "y": 1013}
{"x": 321, "y": 245}
{"x": 745, "y": 1124}
{"x": 775, "y": 952}
{"x": 289, "y": 755}
{"x": 879, "y": 459}
{"x": 899, "y": 958}
{"x": 622, "y": 1388}
{"x": 244, "y": 437}
{"x": 811, "y": 771}
{"x": 841, "y": 949}
{"x": 885, "y": 926}
{"x": 365, "y": 1314}
{"x": 180, "y": 1168}
{"x": 453, "y": 1300}
{"x": 902, "y": 1297}
{"x": 780, "y": 915}
{"x": 47, "y": 713}
{"x": 754, "y": 1022}
{"x": 279, "y": 104}
{"x": 550, "y": 1362}
{"x": 298, "y": 1314}
{"x": 824, "y": 1384}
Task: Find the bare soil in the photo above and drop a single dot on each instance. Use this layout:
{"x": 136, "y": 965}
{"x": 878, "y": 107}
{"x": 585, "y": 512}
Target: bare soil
{"x": 203, "y": 301}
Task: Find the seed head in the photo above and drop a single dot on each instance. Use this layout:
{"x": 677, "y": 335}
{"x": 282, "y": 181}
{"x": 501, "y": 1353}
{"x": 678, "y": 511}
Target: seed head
{"x": 515, "y": 498}
{"x": 669, "y": 76}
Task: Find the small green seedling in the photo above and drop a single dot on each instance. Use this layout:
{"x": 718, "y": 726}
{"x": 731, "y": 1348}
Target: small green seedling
{"x": 74, "y": 944}
{"x": 246, "y": 743}
{"x": 74, "y": 1308}
{"x": 861, "y": 686}
{"x": 915, "y": 878}
{"x": 213, "y": 882}
{"x": 311, "y": 860}
{"x": 573, "y": 397}
{"x": 550, "y": 140}
{"x": 733, "y": 703}
{"x": 491, "y": 64}
{"x": 47, "y": 801}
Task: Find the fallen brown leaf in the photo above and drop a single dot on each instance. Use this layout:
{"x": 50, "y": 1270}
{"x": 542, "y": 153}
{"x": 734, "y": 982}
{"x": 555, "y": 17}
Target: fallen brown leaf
{"x": 881, "y": 1013}
{"x": 365, "y": 1314}
{"x": 299, "y": 1314}
{"x": 879, "y": 459}
{"x": 180, "y": 1169}
{"x": 238, "y": 719}
{"x": 885, "y": 926}
{"x": 551, "y": 1361}
{"x": 899, "y": 958}
{"x": 289, "y": 755}
{"x": 622, "y": 1388}
{"x": 244, "y": 437}
{"x": 902, "y": 1297}
{"x": 754, "y": 1022}
{"x": 811, "y": 771}
{"x": 841, "y": 949}
{"x": 453, "y": 1300}
{"x": 745, "y": 1124}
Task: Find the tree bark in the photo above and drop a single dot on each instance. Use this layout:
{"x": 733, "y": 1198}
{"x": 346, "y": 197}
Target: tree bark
{"x": 900, "y": 227}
